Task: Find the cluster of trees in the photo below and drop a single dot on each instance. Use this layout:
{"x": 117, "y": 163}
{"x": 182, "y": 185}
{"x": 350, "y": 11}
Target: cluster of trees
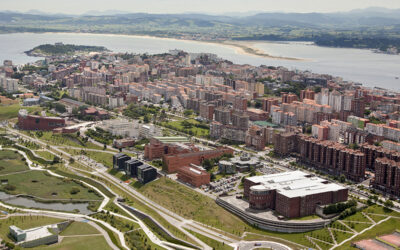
{"x": 57, "y": 106}
{"x": 136, "y": 111}
{"x": 208, "y": 164}
{"x": 101, "y": 135}
{"x": 340, "y": 207}
{"x": 62, "y": 49}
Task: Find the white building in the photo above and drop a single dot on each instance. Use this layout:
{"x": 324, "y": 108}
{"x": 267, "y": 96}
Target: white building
{"x": 8, "y": 84}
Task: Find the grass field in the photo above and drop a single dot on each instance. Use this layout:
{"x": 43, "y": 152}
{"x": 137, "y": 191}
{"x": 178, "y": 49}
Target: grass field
{"x": 192, "y": 127}
{"x": 119, "y": 223}
{"x": 11, "y": 111}
{"x": 43, "y": 185}
{"x": 45, "y": 155}
{"x": 78, "y": 243}
{"x": 386, "y": 227}
{"x": 104, "y": 158}
{"x": 11, "y": 162}
{"x": 211, "y": 242}
{"x": 190, "y": 204}
{"x": 24, "y": 222}
{"x": 79, "y": 228}
{"x": 67, "y": 140}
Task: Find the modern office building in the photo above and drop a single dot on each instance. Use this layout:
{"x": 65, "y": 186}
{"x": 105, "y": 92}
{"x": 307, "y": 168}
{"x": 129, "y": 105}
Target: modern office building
{"x": 131, "y": 167}
{"x": 145, "y": 173}
{"x": 119, "y": 161}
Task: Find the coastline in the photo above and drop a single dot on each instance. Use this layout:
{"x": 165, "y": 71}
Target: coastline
{"x": 240, "y": 47}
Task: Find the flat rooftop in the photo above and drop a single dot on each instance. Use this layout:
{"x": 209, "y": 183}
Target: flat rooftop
{"x": 37, "y": 233}
{"x": 172, "y": 139}
{"x": 295, "y": 184}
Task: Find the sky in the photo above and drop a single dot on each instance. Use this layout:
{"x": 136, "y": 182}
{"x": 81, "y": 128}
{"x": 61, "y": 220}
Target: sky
{"x": 204, "y": 6}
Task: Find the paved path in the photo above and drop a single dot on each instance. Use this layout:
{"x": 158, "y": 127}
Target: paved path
{"x": 260, "y": 244}
{"x": 168, "y": 215}
{"x": 59, "y": 215}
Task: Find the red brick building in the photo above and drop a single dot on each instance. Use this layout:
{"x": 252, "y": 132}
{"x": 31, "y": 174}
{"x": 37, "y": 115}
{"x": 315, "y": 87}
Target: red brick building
{"x": 173, "y": 162}
{"x": 307, "y": 94}
{"x": 156, "y": 149}
{"x": 255, "y": 138}
{"x": 268, "y": 103}
{"x": 335, "y": 158}
{"x": 292, "y": 194}
{"x": 194, "y": 176}
{"x": 284, "y": 143}
{"x": 257, "y": 114}
{"x": 288, "y": 97}
{"x": 387, "y": 176}
{"x": 373, "y": 152}
{"x": 35, "y": 122}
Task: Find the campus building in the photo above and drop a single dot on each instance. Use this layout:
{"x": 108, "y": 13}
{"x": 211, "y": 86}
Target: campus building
{"x": 292, "y": 194}
{"x": 35, "y": 122}
{"x": 145, "y": 173}
{"x": 119, "y": 161}
{"x": 193, "y": 175}
{"x": 172, "y": 162}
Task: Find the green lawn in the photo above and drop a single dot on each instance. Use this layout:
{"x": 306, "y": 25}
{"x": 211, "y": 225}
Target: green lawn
{"x": 310, "y": 217}
{"x": 189, "y": 126}
{"x": 117, "y": 222}
{"x": 386, "y": 227}
{"x": 79, "y": 228}
{"x": 66, "y": 140}
{"x": 357, "y": 226}
{"x": 43, "y": 185}
{"x": 45, "y": 155}
{"x": 211, "y": 242}
{"x": 78, "y": 243}
{"x": 11, "y": 161}
{"x": 11, "y": 111}
{"x": 190, "y": 204}
{"x": 341, "y": 236}
{"x": 24, "y": 222}
{"x": 104, "y": 158}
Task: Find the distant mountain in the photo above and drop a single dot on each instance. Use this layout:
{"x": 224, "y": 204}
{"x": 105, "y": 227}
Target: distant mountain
{"x": 105, "y": 13}
{"x": 366, "y": 28}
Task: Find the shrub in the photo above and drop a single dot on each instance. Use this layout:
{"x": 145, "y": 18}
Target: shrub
{"x": 74, "y": 190}
{"x": 10, "y": 187}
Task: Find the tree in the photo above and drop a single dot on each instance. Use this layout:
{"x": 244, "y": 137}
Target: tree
{"x": 342, "y": 178}
{"x": 146, "y": 119}
{"x": 56, "y": 159}
{"x": 388, "y": 204}
{"x": 104, "y": 146}
{"x": 188, "y": 112}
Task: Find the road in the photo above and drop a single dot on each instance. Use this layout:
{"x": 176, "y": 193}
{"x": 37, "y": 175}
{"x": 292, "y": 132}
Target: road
{"x": 260, "y": 244}
{"x": 173, "y": 218}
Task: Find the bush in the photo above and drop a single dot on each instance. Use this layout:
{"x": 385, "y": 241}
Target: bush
{"x": 74, "y": 190}
{"x": 10, "y": 187}
{"x": 339, "y": 207}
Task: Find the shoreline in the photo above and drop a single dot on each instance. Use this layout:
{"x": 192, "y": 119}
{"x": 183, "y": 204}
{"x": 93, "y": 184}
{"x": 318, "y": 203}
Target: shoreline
{"x": 247, "y": 48}
{"x": 240, "y": 47}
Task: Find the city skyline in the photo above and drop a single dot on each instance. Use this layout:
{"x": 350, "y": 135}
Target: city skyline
{"x": 206, "y": 6}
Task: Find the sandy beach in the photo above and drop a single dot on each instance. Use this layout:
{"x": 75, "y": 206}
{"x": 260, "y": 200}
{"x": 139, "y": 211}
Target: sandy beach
{"x": 240, "y": 47}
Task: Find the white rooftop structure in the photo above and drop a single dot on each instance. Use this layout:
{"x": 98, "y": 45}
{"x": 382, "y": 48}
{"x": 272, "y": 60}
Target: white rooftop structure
{"x": 294, "y": 184}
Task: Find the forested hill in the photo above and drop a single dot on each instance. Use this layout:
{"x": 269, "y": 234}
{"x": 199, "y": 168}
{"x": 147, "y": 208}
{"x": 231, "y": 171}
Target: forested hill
{"x": 370, "y": 28}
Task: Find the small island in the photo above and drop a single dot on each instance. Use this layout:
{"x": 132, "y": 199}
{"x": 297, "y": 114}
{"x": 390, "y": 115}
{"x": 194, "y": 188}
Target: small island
{"x": 63, "y": 49}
